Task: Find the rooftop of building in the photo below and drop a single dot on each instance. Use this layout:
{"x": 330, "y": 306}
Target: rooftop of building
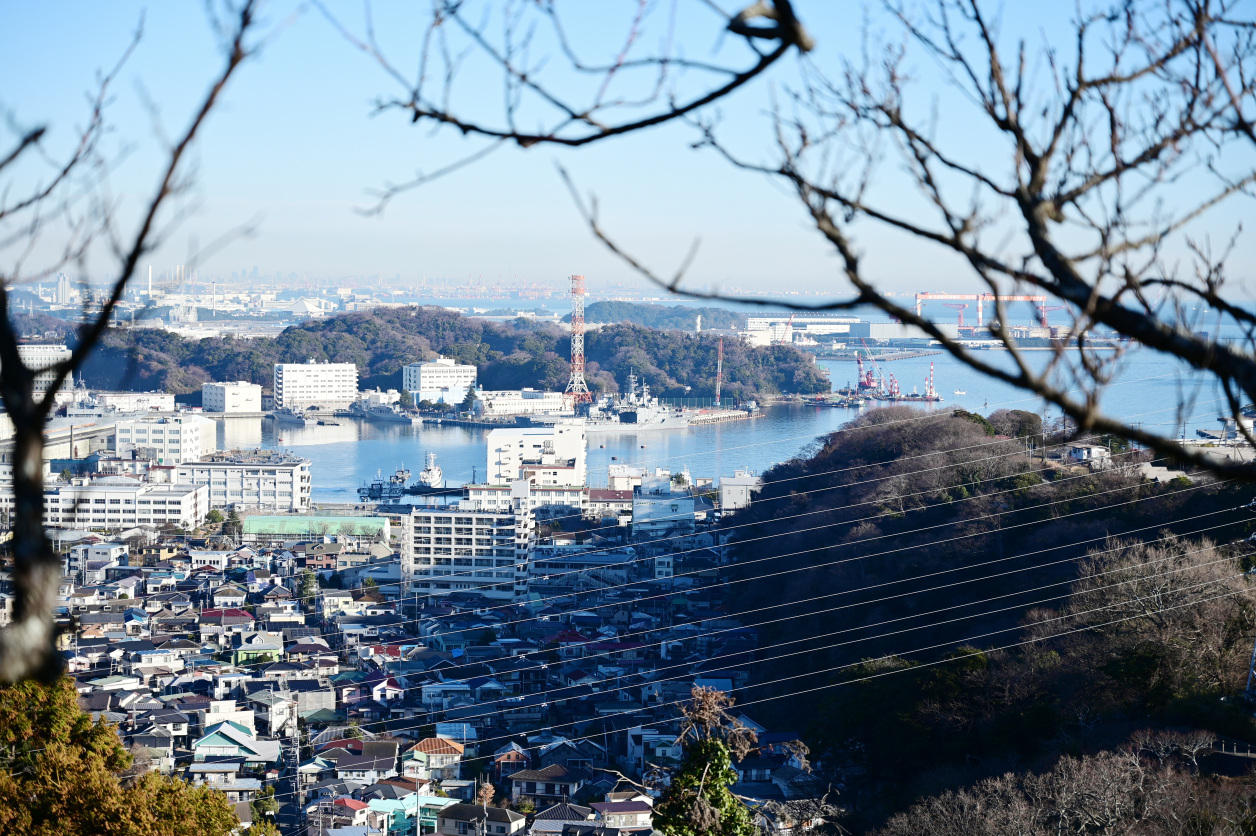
{"x": 254, "y": 456}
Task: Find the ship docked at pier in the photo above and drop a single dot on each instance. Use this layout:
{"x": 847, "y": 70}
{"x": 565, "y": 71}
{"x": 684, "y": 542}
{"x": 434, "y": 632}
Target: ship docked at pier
{"x": 635, "y": 411}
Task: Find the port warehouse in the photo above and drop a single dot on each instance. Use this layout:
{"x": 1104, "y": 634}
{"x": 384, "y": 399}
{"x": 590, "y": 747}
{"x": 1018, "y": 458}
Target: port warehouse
{"x": 766, "y": 329}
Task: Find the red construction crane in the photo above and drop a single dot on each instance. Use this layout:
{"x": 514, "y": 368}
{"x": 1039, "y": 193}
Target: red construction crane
{"x": 960, "y": 308}
{"x": 1045, "y": 309}
{"x": 719, "y": 371}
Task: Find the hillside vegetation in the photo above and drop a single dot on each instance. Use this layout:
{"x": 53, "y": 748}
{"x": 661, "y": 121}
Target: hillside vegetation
{"x": 905, "y": 540}
{"x": 509, "y": 355}
{"x": 678, "y": 317}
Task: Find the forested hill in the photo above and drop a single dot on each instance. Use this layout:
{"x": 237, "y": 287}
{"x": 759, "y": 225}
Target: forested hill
{"x": 509, "y": 355}
{"x": 678, "y": 317}
{"x": 906, "y": 539}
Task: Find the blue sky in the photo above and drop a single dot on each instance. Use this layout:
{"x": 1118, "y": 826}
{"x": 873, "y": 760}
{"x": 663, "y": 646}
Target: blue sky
{"x": 298, "y": 146}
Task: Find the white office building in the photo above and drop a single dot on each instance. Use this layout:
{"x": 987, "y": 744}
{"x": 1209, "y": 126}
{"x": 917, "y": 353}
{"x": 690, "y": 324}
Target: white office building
{"x": 521, "y": 402}
{"x": 558, "y": 450}
{"x": 443, "y": 380}
{"x": 231, "y": 396}
{"x": 268, "y": 480}
{"x": 299, "y": 386}
{"x": 41, "y": 358}
{"x": 164, "y": 440}
{"x": 114, "y": 503}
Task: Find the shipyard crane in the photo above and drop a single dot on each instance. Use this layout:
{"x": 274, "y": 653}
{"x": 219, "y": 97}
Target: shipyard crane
{"x": 960, "y": 308}
{"x": 866, "y": 382}
{"x": 1045, "y": 309}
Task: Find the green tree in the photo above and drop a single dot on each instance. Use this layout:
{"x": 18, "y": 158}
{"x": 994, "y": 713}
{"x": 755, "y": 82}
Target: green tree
{"x": 370, "y": 583}
{"x": 214, "y": 517}
{"x": 698, "y": 800}
{"x": 232, "y": 526}
{"x": 407, "y": 399}
{"x": 264, "y": 806}
{"x": 308, "y": 588}
{"x": 59, "y": 775}
{"x": 469, "y": 402}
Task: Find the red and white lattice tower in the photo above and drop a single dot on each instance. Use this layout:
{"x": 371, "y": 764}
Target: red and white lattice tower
{"x": 577, "y": 388}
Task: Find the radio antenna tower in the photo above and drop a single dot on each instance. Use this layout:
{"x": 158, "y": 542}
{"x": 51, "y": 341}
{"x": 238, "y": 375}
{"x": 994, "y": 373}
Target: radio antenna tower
{"x": 577, "y": 388}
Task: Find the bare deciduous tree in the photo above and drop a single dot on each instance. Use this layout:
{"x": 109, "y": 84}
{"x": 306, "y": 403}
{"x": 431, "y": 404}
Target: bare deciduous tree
{"x": 1081, "y": 171}
{"x": 75, "y": 196}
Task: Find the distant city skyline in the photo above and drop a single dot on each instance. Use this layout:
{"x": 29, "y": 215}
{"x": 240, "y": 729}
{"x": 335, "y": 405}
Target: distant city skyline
{"x": 296, "y": 152}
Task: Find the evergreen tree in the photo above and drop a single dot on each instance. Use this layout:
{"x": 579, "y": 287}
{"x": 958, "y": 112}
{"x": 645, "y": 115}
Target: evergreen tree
{"x": 698, "y": 801}
{"x": 59, "y": 775}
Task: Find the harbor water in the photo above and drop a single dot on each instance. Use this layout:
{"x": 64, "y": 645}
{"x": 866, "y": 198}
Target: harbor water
{"x": 1148, "y": 390}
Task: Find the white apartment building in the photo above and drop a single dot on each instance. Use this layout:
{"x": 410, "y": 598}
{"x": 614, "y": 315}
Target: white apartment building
{"x": 560, "y": 449}
{"x": 269, "y": 480}
{"x": 114, "y": 503}
{"x": 79, "y": 556}
{"x": 461, "y": 548}
{"x": 659, "y": 507}
{"x": 443, "y": 380}
{"x": 135, "y": 401}
{"x": 41, "y": 358}
{"x": 324, "y": 385}
{"x": 521, "y": 402}
{"x": 231, "y": 396}
{"x": 736, "y": 490}
{"x": 164, "y": 440}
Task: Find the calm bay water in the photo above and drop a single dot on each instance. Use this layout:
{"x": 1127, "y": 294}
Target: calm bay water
{"x": 349, "y": 455}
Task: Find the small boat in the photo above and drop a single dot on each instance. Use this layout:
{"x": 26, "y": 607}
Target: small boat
{"x": 960, "y": 392}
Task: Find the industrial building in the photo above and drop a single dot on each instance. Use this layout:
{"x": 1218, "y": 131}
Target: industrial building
{"x": 521, "y": 402}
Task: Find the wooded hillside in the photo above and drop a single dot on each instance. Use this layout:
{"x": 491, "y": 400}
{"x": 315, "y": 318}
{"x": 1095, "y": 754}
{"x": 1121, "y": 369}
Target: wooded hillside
{"x": 509, "y": 355}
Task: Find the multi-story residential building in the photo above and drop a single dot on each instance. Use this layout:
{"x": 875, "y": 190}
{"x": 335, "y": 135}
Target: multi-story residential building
{"x": 443, "y": 380}
{"x": 164, "y": 440}
{"x": 452, "y": 548}
{"x": 79, "y": 556}
{"x": 312, "y": 384}
{"x": 113, "y": 503}
{"x": 659, "y": 507}
{"x": 521, "y": 402}
{"x": 559, "y": 449}
{"x": 271, "y": 480}
{"x": 41, "y": 358}
{"x": 231, "y": 396}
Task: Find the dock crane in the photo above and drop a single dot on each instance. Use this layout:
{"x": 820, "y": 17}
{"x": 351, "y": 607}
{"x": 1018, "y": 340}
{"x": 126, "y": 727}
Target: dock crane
{"x": 1045, "y": 309}
{"x": 961, "y": 309}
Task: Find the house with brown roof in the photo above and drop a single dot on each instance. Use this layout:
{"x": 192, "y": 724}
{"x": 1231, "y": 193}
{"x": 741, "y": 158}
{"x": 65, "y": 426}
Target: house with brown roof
{"x": 437, "y": 758}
